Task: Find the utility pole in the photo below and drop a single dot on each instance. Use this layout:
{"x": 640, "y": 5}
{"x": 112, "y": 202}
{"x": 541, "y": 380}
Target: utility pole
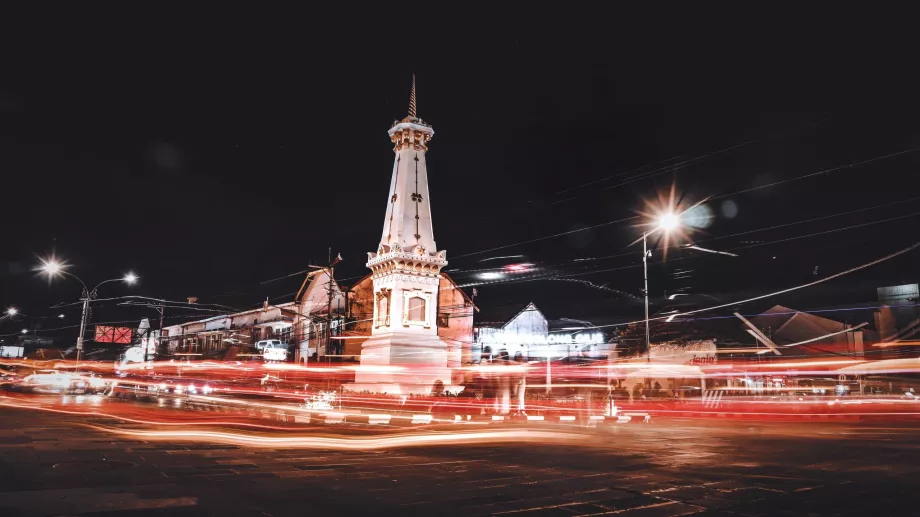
{"x": 648, "y": 344}
{"x": 331, "y": 272}
{"x": 159, "y": 333}
{"x": 329, "y": 315}
{"x": 83, "y": 318}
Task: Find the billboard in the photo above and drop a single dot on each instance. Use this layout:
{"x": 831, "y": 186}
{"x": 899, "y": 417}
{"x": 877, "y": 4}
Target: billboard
{"x": 11, "y": 351}
{"x": 117, "y": 335}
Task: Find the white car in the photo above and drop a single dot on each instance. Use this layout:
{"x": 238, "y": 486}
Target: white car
{"x": 275, "y": 351}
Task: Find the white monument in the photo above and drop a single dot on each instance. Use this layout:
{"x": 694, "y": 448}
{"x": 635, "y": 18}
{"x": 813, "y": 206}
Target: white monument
{"x": 404, "y": 354}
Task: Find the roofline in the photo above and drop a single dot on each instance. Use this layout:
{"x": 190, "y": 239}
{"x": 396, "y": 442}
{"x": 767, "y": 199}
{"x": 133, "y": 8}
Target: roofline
{"x": 241, "y": 313}
{"x": 518, "y": 313}
{"x": 457, "y": 287}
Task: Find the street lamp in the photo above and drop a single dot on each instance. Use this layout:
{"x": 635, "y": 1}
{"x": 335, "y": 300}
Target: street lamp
{"x": 665, "y": 223}
{"x": 54, "y": 268}
{"x": 10, "y": 312}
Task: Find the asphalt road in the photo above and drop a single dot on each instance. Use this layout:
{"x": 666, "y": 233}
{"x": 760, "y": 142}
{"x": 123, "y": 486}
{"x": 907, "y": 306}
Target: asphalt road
{"x": 51, "y": 465}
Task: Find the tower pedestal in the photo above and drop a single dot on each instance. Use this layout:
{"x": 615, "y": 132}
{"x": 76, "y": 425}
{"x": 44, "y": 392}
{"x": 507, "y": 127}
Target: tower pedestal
{"x": 403, "y": 364}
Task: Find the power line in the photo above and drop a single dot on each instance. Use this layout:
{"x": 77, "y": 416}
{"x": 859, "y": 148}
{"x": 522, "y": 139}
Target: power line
{"x": 743, "y": 191}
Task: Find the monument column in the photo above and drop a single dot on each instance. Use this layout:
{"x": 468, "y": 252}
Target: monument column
{"x": 404, "y": 354}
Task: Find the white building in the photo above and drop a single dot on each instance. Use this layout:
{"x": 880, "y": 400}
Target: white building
{"x": 530, "y": 336}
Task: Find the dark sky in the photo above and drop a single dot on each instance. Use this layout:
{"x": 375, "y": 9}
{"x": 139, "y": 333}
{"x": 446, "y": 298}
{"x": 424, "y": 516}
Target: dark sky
{"x": 211, "y": 151}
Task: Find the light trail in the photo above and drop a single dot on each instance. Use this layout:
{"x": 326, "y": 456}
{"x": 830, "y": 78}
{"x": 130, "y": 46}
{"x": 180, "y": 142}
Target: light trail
{"x": 349, "y": 444}
{"x": 229, "y": 423}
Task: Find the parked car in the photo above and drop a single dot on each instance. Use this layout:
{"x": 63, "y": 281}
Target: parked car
{"x": 275, "y": 352}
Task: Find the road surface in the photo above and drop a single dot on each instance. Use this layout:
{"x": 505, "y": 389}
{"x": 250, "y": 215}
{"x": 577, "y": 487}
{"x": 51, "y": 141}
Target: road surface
{"x": 50, "y": 464}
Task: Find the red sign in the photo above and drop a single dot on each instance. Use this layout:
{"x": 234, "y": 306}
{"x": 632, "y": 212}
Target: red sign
{"x": 119, "y": 335}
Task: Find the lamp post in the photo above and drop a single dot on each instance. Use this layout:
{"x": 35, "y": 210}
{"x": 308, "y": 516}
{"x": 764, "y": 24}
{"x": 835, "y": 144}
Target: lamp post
{"x": 54, "y": 268}
{"x": 666, "y": 223}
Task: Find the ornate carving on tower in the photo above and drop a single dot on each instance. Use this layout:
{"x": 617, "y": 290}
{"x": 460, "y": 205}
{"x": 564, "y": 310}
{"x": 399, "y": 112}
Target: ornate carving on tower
{"x": 407, "y": 225}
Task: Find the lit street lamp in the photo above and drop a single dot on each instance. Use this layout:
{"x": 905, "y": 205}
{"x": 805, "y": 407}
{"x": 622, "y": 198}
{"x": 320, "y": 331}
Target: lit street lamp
{"x": 666, "y": 223}
{"x": 10, "y": 312}
{"x": 54, "y": 268}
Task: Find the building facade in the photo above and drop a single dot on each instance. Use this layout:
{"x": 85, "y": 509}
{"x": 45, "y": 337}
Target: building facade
{"x": 303, "y": 324}
{"x": 530, "y": 336}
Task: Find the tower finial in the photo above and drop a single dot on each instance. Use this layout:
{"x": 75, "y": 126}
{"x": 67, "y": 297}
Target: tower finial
{"x": 412, "y": 99}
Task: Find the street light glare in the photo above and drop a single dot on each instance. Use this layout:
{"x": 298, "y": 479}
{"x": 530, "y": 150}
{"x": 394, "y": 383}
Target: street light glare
{"x": 25, "y": 331}
{"x": 12, "y": 311}
{"x": 668, "y": 221}
{"x": 52, "y": 267}
{"x": 130, "y": 278}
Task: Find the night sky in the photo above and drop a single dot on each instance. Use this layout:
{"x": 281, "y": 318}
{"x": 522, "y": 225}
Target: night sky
{"x": 210, "y": 152}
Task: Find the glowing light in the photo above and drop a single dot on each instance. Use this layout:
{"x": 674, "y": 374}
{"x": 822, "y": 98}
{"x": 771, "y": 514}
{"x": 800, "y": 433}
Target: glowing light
{"x": 668, "y": 221}
{"x": 60, "y": 315}
{"x": 52, "y": 267}
{"x": 130, "y": 278}
{"x": 12, "y": 311}
{"x": 491, "y": 275}
{"x": 555, "y": 338}
{"x": 309, "y": 442}
{"x": 699, "y": 216}
{"x": 25, "y": 331}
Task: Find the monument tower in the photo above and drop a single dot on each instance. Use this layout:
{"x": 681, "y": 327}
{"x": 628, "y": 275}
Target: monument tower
{"x": 404, "y": 354}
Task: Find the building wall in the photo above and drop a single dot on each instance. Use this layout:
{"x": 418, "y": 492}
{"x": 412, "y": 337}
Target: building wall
{"x": 454, "y": 319}
{"x": 360, "y": 316}
{"x": 213, "y": 334}
{"x": 455, "y": 323}
{"x": 515, "y": 338}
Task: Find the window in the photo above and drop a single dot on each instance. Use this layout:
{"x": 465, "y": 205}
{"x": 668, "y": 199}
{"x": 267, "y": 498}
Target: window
{"x": 285, "y": 334}
{"x": 383, "y": 306}
{"x": 417, "y": 307}
{"x": 444, "y": 320}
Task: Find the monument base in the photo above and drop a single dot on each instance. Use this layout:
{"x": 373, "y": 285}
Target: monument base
{"x": 403, "y": 364}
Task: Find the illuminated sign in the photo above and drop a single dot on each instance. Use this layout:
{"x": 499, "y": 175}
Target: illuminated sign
{"x": 118, "y": 335}
{"x": 553, "y": 338}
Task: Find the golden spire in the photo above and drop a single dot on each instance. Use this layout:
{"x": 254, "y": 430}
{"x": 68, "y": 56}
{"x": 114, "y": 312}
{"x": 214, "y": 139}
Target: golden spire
{"x": 412, "y": 99}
